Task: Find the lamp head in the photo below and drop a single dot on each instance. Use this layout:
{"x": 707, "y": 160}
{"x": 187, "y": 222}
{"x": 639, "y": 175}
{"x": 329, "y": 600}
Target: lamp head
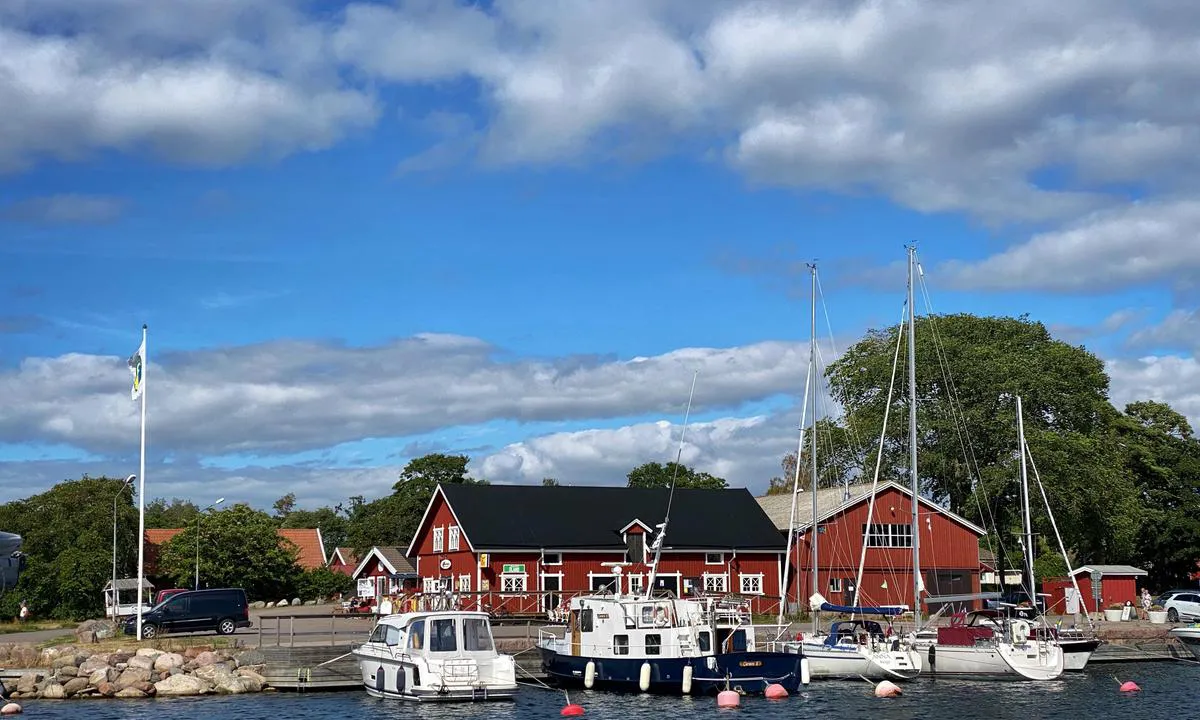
{"x": 129, "y": 480}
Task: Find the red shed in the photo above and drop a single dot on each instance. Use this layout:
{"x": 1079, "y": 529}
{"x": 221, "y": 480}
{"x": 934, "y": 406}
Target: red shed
{"x": 384, "y": 571}
{"x": 523, "y": 549}
{"x": 343, "y": 560}
{"x": 1117, "y": 584}
{"x": 949, "y": 546}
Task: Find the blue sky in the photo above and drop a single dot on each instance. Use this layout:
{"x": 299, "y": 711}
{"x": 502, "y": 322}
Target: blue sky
{"x": 384, "y": 229}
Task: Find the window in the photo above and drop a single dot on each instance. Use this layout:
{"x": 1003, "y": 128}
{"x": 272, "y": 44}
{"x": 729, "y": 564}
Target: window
{"x": 885, "y": 535}
{"x": 437, "y": 539}
{"x": 512, "y": 583}
{"x": 452, "y": 545}
{"x": 604, "y": 583}
{"x": 620, "y": 644}
{"x": 477, "y": 636}
{"x": 416, "y": 632}
{"x": 635, "y": 584}
{"x": 444, "y": 584}
{"x": 835, "y": 584}
{"x": 751, "y": 584}
{"x": 429, "y": 585}
{"x": 378, "y": 634}
{"x": 716, "y": 583}
{"x": 739, "y": 641}
{"x": 704, "y": 641}
{"x": 654, "y": 644}
{"x": 464, "y": 583}
{"x": 392, "y": 636}
{"x": 714, "y": 558}
{"x": 585, "y": 620}
{"x": 552, "y": 559}
{"x": 647, "y": 614}
{"x": 635, "y": 548}
{"x": 443, "y": 636}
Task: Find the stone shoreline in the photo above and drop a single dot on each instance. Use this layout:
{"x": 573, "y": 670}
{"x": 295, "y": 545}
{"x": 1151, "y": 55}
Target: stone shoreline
{"x": 74, "y": 672}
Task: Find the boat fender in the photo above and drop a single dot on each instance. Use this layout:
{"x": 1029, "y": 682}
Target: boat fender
{"x": 932, "y": 656}
{"x": 644, "y": 677}
{"x": 1020, "y": 631}
{"x": 687, "y": 679}
{"x": 589, "y": 674}
{"x": 887, "y": 688}
{"x": 805, "y": 672}
{"x": 10, "y": 709}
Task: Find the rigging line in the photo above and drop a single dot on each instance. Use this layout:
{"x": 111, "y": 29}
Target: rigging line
{"x": 855, "y": 443}
{"x": 659, "y": 537}
{"x": 887, "y": 408}
{"x": 1070, "y": 571}
{"x": 960, "y": 425}
{"x": 795, "y": 496}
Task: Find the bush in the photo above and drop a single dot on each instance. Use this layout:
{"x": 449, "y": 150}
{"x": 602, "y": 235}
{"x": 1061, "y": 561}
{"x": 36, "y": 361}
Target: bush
{"x": 323, "y": 583}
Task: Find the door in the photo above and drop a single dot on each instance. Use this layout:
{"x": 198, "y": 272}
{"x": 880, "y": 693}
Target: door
{"x": 667, "y": 583}
{"x": 1072, "y": 599}
{"x": 576, "y": 638}
{"x": 551, "y": 589}
{"x": 176, "y": 613}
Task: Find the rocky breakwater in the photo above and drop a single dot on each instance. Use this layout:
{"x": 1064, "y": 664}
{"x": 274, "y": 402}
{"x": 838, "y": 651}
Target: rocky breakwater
{"x": 72, "y": 672}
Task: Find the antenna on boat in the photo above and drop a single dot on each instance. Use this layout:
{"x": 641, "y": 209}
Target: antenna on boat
{"x": 656, "y": 545}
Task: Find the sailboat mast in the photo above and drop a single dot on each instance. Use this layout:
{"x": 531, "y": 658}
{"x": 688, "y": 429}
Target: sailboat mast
{"x": 912, "y": 436}
{"x": 812, "y": 359}
{"x": 657, "y": 544}
{"x": 1025, "y": 506}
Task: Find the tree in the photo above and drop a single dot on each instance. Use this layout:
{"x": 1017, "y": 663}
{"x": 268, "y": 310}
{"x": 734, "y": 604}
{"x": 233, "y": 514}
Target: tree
{"x": 380, "y": 522}
{"x": 549, "y": 482}
{"x": 652, "y": 475}
{"x": 67, "y": 534}
{"x": 285, "y": 505}
{"x": 175, "y": 514}
{"x": 322, "y": 583}
{"x": 239, "y": 547}
{"x": 411, "y": 495}
{"x": 839, "y": 458}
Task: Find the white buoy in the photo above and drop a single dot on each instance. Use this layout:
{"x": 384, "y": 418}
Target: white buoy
{"x": 804, "y": 672}
{"x": 687, "y": 679}
{"x": 644, "y": 677}
{"x": 589, "y": 674}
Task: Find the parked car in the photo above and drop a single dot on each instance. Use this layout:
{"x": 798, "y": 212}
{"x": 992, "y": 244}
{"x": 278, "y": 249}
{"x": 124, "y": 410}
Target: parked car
{"x": 1183, "y": 606}
{"x": 1018, "y": 596}
{"x": 1163, "y": 597}
{"x": 220, "y": 610}
{"x": 164, "y": 594}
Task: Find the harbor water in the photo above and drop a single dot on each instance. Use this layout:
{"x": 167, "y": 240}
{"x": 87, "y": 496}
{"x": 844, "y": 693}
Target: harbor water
{"x": 1169, "y": 689}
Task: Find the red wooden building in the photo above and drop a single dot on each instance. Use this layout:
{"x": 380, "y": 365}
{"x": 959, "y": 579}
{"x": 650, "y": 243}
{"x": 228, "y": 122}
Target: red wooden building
{"x": 1117, "y": 585}
{"x": 343, "y": 560}
{"x": 522, "y": 549}
{"x": 384, "y": 571}
{"x": 949, "y": 546}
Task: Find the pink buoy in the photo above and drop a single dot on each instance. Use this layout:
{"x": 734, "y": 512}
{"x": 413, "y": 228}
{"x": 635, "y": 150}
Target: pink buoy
{"x": 775, "y": 691}
{"x": 887, "y": 688}
{"x": 572, "y": 710}
{"x": 1129, "y": 686}
{"x": 728, "y": 699}
{"x": 10, "y": 709}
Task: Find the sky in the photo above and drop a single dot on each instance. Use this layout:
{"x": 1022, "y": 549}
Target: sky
{"x": 363, "y": 232}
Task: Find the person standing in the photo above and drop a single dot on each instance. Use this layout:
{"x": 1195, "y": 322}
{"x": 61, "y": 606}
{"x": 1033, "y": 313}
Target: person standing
{"x": 24, "y": 613}
{"x": 1146, "y": 601}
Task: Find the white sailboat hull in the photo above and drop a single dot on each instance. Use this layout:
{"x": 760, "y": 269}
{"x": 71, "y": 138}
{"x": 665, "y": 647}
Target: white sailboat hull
{"x": 842, "y": 662}
{"x": 1029, "y": 661}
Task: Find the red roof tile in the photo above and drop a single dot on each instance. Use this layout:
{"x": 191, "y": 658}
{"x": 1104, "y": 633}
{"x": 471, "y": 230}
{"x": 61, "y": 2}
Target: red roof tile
{"x": 307, "y": 541}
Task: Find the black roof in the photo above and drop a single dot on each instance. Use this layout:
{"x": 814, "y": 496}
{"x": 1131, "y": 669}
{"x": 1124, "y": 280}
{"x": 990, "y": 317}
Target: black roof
{"x": 566, "y": 517}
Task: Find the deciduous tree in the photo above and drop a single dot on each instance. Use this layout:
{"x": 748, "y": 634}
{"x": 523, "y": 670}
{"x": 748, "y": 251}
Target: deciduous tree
{"x": 654, "y": 474}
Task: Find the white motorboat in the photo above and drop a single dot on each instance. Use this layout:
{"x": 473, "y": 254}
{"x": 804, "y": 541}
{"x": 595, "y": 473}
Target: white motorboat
{"x": 435, "y": 656}
{"x": 1190, "y": 637}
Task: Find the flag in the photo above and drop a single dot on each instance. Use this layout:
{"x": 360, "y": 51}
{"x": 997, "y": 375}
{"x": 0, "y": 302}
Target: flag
{"x": 135, "y": 367}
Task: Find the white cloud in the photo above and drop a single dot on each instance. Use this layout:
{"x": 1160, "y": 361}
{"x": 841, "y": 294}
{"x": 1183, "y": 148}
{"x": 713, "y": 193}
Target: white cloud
{"x": 65, "y": 209}
{"x": 289, "y": 396}
{"x": 1112, "y": 249}
{"x": 1179, "y": 330}
{"x": 1166, "y": 378}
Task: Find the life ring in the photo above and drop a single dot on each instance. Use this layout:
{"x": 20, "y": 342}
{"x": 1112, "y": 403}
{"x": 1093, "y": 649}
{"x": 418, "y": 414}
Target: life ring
{"x": 1020, "y": 631}
{"x": 660, "y": 616}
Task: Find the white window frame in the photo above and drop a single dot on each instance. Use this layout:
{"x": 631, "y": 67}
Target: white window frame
{"x": 835, "y": 584}
{"x": 712, "y": 587}
{"x": 546, "y": 558}
{"x": 464, "y": 583}
{"x": 438, "y": 536}
{"x": 453, "y": 541}
{"x": 509, "y": 583}
{"x": 709, "y": 561}
{"x": 637, "y": 583}
{"x": 748, "y": 588}
{"x": 429, "y": 585}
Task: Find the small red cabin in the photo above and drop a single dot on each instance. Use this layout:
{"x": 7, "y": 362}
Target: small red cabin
{"x": 1117, "y": 584}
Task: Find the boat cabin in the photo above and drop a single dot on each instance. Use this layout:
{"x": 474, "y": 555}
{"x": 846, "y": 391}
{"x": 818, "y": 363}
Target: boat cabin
{"x": 432, "y": 634}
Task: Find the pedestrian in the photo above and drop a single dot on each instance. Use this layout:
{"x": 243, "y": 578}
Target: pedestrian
{"x": 1146, "y": 602}
{"x": 24, "y": 611}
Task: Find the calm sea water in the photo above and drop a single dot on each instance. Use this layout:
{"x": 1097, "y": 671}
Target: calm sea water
{"x": 1168, "y": 690}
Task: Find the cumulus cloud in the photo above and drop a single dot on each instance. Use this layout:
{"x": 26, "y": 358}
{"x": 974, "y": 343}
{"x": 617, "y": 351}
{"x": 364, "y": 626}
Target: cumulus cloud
{"x": 289, "y": 396}
{"x": 1179, "y": 330}
{"x": 1167, "y": 378}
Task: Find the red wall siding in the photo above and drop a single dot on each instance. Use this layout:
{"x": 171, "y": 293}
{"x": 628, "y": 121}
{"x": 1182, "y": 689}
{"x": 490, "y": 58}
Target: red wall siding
{"x": 1113, "y": 589}
{"x": 945, "y": 546}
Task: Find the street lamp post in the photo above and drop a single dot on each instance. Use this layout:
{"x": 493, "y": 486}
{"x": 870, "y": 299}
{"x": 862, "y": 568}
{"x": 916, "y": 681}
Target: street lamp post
{"x": 113, "y": 591}
{"x": 210, "y": 507}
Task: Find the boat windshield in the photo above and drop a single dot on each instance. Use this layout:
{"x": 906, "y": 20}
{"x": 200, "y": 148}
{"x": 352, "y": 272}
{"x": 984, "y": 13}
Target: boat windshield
{"x": 477, "y": 635}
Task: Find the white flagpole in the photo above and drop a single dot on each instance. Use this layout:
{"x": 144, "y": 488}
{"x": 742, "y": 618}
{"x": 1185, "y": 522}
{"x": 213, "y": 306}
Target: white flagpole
{"x": 142, "y": 494}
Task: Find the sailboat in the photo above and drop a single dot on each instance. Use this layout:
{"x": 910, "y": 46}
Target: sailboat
{"x": 662, "y": 643}
{"x": 1006, "y": 647}
{"x": 850, "y": 649}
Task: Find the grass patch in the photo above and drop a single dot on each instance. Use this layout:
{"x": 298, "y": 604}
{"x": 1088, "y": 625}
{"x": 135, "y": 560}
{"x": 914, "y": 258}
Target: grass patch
{"x": 20, "y": 627}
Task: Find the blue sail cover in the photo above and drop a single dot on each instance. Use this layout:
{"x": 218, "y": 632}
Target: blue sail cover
{"x": 829, "y": 607}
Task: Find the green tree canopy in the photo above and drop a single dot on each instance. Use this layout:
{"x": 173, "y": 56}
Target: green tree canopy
{"x": 174, "y": 514}
{"x": 239, "y": 547}
{"x": 68, "y": 540}
{"x": 652, "y": 475}
{"x": 332, "y": 521}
